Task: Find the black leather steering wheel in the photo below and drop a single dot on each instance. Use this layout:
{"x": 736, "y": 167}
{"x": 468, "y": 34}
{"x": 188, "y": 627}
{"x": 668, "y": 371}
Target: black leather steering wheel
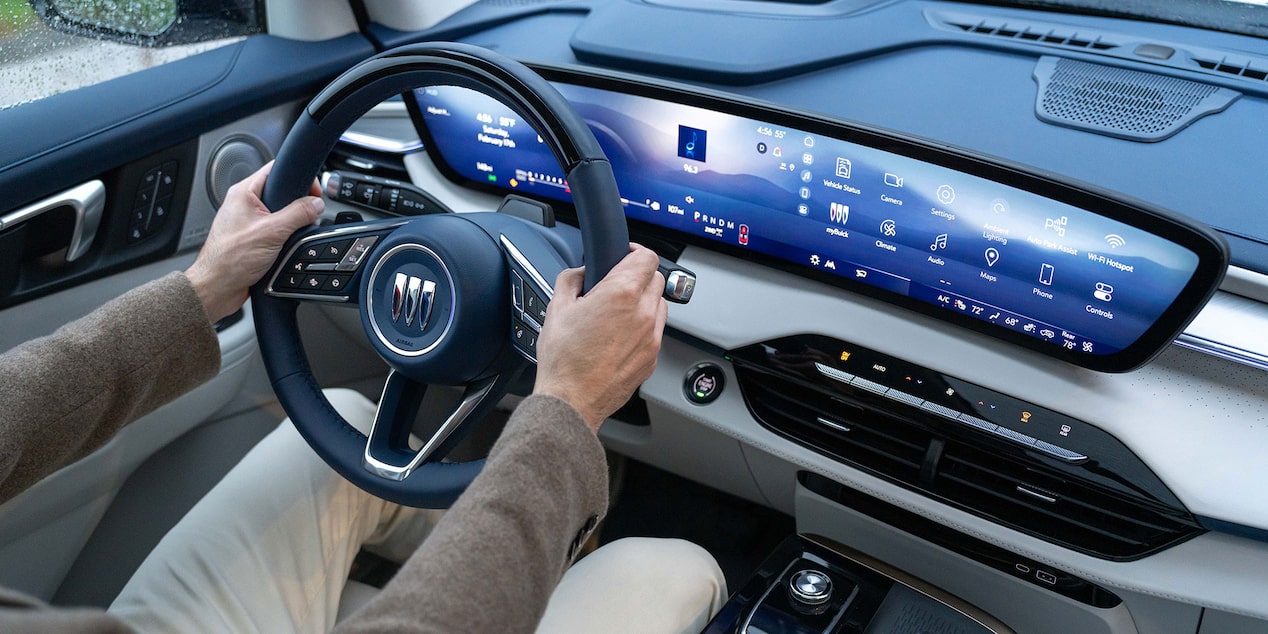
{"x": 450, "y": 299}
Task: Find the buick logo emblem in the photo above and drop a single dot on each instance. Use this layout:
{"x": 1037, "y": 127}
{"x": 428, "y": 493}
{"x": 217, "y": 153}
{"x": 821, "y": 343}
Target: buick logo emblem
{"x": 412, "y": 300}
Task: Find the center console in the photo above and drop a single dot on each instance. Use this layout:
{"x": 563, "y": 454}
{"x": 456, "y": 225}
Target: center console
{"x": 811, "y": 584}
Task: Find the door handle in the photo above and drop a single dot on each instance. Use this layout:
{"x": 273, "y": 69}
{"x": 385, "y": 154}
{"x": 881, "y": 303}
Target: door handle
{"x": 88, "y": 202}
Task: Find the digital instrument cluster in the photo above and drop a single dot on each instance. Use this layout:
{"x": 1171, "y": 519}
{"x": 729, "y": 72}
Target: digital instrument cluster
{"x": 871, "y": 213}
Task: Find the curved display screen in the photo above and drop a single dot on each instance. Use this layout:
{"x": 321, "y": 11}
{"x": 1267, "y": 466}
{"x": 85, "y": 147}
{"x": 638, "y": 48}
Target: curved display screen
{"x": 1004, "y": 259}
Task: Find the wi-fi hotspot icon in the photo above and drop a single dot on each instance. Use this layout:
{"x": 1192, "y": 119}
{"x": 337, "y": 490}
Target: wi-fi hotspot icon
{"x": 1115, "y": 240}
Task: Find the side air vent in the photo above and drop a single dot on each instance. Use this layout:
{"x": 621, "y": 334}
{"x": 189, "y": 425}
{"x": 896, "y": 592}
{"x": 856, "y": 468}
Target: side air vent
{"x": 1235, "y": 67}
{"x": 1038, "y": 33}
{"x": 1108, "y": 505}
{"x": 1122, "y": 103}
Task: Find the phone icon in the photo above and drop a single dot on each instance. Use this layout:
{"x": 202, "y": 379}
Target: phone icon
{"x": 1045, "y": 274}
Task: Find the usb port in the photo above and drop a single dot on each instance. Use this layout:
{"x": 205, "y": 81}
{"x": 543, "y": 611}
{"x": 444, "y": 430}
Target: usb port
{"x": 1046, "y": 577}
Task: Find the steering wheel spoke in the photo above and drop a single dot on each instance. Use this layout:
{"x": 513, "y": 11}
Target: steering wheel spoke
{"x": 387, "y": 450}
{"x": 324, "y": 265}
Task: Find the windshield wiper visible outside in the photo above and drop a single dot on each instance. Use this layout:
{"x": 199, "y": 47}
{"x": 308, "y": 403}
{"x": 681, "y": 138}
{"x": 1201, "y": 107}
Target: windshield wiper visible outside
{"x": 1247, "y": 17}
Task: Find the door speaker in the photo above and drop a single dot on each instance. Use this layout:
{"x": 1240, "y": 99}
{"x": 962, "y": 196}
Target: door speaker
{"x": 236, "y": 158}
{"x": 1122, "y": 103}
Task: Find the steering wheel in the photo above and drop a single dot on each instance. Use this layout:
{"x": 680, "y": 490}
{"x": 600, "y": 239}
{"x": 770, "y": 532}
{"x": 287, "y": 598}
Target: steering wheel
{"x": 446, "y": 299}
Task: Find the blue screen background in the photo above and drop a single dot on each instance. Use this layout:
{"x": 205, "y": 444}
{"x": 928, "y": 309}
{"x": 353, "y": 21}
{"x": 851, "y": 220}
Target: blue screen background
{"x": 1002, "y": 255}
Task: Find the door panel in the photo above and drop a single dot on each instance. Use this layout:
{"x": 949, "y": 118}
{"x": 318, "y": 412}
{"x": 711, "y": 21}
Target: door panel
{"x": 118, "y": 132}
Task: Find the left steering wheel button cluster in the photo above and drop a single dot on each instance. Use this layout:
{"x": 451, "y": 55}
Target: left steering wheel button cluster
{"x": 323, "y": 267}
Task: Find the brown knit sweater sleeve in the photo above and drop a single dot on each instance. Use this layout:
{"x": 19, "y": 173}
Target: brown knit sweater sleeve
{"x": 64, "y": 395}
{"x": 493, "y": 561}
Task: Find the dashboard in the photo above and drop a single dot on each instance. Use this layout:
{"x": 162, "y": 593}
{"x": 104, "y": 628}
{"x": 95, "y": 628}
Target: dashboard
{"x": 1154, "y": 446}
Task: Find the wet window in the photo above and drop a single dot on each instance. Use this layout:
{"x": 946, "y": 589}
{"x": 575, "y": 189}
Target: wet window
{"x": 77, "y": 43}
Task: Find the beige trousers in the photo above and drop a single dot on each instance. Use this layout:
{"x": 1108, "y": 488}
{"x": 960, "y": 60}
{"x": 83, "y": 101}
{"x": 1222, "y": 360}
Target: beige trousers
{"x": 269, "y": 549}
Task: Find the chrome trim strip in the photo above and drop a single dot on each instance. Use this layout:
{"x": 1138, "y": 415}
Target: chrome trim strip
{"x": 398, "y": 295}
{"x": 832, "y": 424}
{"x": 88, "y": 202}
{"x": 533, "y": 274}
{"x": 470, "y": 400}
{"x": 1226, "y": 352}
{"x": 380, "y": 144}
{"x": 413, "y": 293}
{"x": 429, "y": 294}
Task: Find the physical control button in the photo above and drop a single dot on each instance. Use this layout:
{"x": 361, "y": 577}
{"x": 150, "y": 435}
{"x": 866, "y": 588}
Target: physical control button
{"x": 159, "y": 214}
{"x": 811, "y": 587}
{"x": 367, "y": 194}
{"x": 517, "y": 290}
{"x": 332, "y": 251}
{"x": 524, "y": 337}
{"x": 534, "y": 305}
{"x": 289, "y": 280}
{"x": 136, "y": 232}
{"x": 336, "y": 283}
{"x": 167, "y": 179}
{"x": 411, "y": 203}
{"x": 704, "y": 383}
{"x": 352, "y": 258}
{"x": 139, "y": 216}
{"x": 309, "y": 253}
{"x": 312, "y": 283}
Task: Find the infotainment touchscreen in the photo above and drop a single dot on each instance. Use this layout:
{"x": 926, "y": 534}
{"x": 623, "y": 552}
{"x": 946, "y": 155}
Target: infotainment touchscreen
{"x": 1065, "y": 271}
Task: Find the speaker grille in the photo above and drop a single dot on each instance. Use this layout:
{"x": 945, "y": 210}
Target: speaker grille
{"x": 236, "y": 158}
{"x": 1122, "y": 103}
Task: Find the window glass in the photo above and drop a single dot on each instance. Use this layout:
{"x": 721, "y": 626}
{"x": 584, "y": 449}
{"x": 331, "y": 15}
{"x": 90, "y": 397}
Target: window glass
{"x": 40, "y": 57}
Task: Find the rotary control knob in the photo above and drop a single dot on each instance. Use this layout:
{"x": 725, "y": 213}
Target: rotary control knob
{"x": 811, "y": 587}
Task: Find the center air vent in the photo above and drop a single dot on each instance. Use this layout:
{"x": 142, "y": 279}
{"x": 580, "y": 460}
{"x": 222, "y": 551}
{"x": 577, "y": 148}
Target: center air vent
{"x": 1122, "y": 103}
{"x": 1108, "y": 504}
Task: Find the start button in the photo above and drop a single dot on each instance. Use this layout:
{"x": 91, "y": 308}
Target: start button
{"x": 704, "y": 383}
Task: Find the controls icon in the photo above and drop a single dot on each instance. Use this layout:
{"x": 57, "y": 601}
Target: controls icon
{"x": 888, "y": 228}
{"x": 830, "y": 265}
{"x": 814, "y": 260}
{"x": 1087, "y": 346}
{"x": 860, "y": 273}
{"x": 1047, "y": 333}
{"x": 1103, "y": 292}
{"x": 992, "y": 256}
{"x": 893, "y": 180}
{"x": 808, "y": 158}
{"x": 946, "y": 194}
{"x": 1029, "y": 327}
{"x": 994, "y": 316}
{"x": 843, "y": 167}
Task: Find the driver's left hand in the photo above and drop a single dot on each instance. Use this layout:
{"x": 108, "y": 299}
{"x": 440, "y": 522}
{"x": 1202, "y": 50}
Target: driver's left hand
{"x": 244, "y": 241}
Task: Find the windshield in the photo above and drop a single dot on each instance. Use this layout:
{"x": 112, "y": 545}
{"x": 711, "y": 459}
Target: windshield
{"x": 1248, "y": 17}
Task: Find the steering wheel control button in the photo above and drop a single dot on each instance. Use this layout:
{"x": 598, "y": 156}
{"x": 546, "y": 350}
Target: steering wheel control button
{"x": 517, "y": 290}
{"x": 811, "y": 587}
{"x": 356, "y": 253}
{"x": 534, "y": 306}
{"x": 525, "y": 338}
{"x": 289, "y": 280}
{"x": 312, "y": 283}
{"x": 336, "y": 283}
{"x": 704, "y": 383}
